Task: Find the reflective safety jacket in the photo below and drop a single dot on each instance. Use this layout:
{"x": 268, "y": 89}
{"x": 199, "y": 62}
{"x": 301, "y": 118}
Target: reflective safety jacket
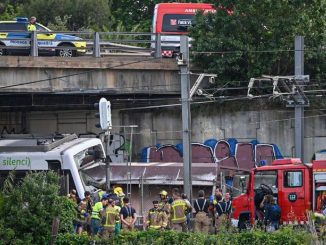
{"x": 165, "y": 207}
{"x": 96, "y": 210}
{"x": 109, "y": 217}
{"x": 31, "y": 27}
{"x": 178, "y": 211}
{"x": 155, "y": 219}
{"x": 100, "y": 194}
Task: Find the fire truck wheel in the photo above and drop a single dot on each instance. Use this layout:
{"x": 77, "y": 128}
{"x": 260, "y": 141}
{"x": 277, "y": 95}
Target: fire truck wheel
{"x": 244, "y": 225}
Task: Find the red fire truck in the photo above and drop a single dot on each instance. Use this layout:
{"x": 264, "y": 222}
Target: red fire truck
{"x": 296, "y": 187}
{"x": 172, "y": 20}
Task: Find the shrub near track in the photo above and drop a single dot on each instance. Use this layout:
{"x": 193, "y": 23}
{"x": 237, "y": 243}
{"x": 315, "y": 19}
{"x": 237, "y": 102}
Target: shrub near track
{"x": 286, "y": 236}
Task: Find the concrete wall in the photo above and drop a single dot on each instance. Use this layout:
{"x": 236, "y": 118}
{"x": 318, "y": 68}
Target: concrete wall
{"x": 115, "y": 74}
{"x": 164, "y": 126}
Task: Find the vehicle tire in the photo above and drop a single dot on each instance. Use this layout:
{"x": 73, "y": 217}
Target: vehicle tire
{"x": 66, "y": 51}
{"x": 2, "y": 50}
{"x": 244, "y": 225}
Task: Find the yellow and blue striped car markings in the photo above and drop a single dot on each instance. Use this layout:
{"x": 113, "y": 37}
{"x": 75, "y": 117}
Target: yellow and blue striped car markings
{"x": 49, "y": 40}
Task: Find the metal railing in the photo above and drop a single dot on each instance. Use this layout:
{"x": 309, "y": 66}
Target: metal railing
{"x": 96, "y": 44}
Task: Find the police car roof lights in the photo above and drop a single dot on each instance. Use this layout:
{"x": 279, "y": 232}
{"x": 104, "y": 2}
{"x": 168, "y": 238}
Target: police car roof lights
{"x": 21, "y": 19}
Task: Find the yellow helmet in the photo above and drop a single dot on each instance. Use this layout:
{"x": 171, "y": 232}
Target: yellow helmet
{"x": 164, "y": 193}
{"x": 118, "y": 191}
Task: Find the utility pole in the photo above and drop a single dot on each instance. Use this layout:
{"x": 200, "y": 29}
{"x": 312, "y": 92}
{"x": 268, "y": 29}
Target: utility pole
{"x": 299, "y": 108}
{"x": 183, "y": 63}
{"x": 291, "y": 89}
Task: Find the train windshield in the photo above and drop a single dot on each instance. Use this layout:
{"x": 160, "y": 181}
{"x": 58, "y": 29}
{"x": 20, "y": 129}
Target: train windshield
{"x": 91, "y": 166}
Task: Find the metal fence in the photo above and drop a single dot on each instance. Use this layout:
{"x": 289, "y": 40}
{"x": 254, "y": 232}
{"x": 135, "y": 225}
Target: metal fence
{"x": 96, "y": 44}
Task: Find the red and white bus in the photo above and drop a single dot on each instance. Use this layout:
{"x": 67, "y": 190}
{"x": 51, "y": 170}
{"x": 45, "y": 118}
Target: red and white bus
{"x": 172, "y": 20}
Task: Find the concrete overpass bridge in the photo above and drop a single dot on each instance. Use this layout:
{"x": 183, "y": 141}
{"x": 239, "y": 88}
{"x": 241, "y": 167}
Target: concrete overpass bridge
{"x": 55, "y": 83}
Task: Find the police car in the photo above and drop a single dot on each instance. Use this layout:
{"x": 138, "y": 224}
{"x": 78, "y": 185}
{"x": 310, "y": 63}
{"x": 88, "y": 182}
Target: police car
{"x": 14, "y": 35}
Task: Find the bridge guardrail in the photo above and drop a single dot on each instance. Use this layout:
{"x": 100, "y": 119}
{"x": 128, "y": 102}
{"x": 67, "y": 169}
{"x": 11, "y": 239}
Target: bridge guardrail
{"x": 98, "y": 44}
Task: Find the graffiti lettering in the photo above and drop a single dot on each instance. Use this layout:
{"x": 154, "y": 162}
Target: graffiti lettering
{"x": 227, "y": 153}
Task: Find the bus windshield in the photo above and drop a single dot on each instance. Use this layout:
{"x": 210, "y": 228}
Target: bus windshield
{"x": 177, "y": 22}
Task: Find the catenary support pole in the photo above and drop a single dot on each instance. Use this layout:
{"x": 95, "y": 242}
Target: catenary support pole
{"x": 97, "y": 48}
{"x": 158, "y": 48}
{"x": 108, "y": 170}
{"x": 183, "y": 62}
{"x": 34, "y": 44}
{"x": 299, "y": 109}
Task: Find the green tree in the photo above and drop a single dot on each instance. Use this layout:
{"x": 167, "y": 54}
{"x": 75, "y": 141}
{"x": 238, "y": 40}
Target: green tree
{"x": 9, "y": 9}
{"x": 130, "y": 13}
{"x": 83, "y": 14}
{"x": 236, "y": 46}
{"x": 29, "y": 207}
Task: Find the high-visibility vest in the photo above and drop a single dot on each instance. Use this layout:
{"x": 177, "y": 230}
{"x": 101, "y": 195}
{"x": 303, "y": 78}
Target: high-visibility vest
{"x": 111, "y": 216}
{"x": 96, "y": 210}
{"x": 154, "y": 218}
{"x": 100, "y": 194}
{"x": 31, "y": 27}
{"x": 178, "y": 211}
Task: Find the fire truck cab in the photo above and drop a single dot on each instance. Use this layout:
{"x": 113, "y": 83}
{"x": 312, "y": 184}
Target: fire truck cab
{"x": 296, "y": 188}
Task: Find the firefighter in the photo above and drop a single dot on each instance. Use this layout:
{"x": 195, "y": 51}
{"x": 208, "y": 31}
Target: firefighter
{"x": 118, "y": 223}
{"x": 73, "y": 196}
{"x": 179, "y": 209}
{"x": 165, "y": 207}
{"x": 82, "y": 216}
{"x": 109, "y": 216}
{"x": 228, "y": 206}
{"x": 202, "y": 221}
{"x": 89, "y": 207}
{"x": 220, "y": 214}
{"x": 96, "y": 218}
{"x": 188, "y": 215}
{"x": 155, "y": 218}
{"x": 119, "y": 192}
{"x": 128, "y": 215}
{"x": 213, "y": 200}
{"x": 217, "y": 197}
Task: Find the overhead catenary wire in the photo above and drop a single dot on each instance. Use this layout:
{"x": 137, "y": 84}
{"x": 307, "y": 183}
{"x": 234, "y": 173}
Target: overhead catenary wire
{"x": 322, "y": 81}
{"x": 214, "y": 129}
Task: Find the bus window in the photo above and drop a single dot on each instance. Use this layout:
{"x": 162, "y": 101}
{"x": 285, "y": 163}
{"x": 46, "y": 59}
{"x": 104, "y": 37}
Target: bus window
{"x": 177, "y": 22}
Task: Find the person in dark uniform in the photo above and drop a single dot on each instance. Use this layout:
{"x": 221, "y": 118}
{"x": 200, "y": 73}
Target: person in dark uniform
{"x": 220, "y": 212}
{"x": 202, "y": 221}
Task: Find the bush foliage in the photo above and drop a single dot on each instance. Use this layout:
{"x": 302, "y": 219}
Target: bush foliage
{"x": 29, "y": 207}
{"x": 286, "y": 236}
